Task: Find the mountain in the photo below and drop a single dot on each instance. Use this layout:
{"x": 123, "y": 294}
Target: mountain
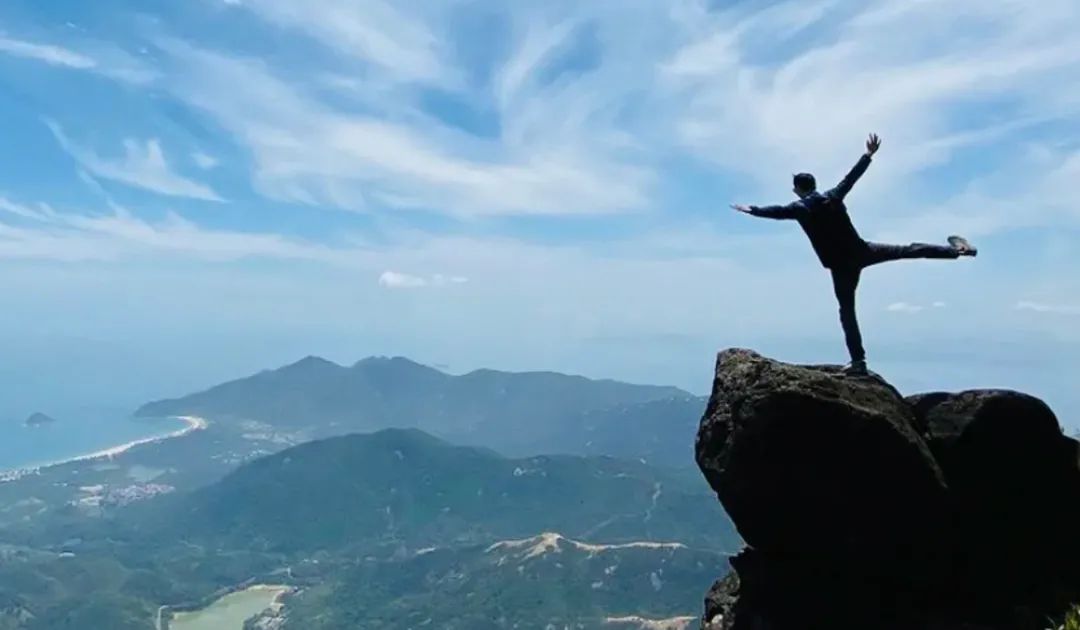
{"x": 387, "y": 530}
{"x": 660, "y": 432}
{"x": 539, "y": 582}
{"x": 402, "y": 487}
{"x": 515, "y": 413}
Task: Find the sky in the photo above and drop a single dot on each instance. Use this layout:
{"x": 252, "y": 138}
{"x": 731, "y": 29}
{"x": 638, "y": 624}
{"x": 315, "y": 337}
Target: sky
{"x": 194, "y": 191}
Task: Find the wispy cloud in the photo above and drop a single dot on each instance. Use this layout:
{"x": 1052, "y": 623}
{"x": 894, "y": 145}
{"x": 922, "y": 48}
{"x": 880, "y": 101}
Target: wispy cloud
{"x": 46, "y": 234}
{"x": 47, "y": 53}
{"x": 372, "y": 31}
{"x": 1040, "y": 307}
{"x": 847, "y": 69}
{"x": 143, "y": 165}
{"x": 308, "y": 151}
{"x": 204, "y": 161}
{"x": 101, "y": 59}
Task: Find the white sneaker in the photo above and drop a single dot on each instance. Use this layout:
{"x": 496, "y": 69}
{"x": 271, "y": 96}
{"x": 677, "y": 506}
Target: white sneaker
{"x": 960, "y": 244}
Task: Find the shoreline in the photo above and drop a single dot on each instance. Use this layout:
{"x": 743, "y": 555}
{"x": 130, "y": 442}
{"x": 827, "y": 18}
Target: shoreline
{"x": 194, "y": 423}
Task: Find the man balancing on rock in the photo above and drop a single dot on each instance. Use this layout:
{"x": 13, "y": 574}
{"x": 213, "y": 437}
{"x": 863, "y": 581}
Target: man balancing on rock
{"x": 824, "y": 218}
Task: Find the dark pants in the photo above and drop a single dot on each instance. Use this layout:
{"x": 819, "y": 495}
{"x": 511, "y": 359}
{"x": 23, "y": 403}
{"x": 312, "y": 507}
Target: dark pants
{"x": 846, "y": 281}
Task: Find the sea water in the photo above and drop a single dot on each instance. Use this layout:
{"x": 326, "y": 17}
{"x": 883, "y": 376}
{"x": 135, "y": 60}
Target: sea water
{"x": 73, "y": 436}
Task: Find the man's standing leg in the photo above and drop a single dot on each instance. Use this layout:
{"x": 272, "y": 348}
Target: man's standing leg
{"x": 845, "y": 282}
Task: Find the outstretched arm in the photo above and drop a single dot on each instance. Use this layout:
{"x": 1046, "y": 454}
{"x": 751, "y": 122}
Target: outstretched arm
{"x": 791, "y": 211}
{"x": 873, "y": 143}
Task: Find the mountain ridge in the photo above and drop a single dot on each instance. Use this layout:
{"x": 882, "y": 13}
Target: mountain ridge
{"x": 404, "y": 486}
{"x": 516, "y": 413}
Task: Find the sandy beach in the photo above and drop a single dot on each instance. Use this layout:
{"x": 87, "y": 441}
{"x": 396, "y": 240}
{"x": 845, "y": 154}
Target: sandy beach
{"x": 194, "y": 423}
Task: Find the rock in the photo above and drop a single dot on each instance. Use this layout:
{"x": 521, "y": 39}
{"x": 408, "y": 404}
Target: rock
{"x": 38, "y": 419}
{"x": 764, "y": 593}
{"x": 815, "y": 465}
{"x": 1014, "y": 478}
{"x": 720, "y": 603}
{"x": 862, "y": 509}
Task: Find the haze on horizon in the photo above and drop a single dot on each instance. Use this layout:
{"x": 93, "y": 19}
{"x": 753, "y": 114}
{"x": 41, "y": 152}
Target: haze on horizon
{"x": 535, "y": 187}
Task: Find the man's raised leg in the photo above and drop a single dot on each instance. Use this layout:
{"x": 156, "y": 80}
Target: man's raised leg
{"x": 881, "y": 252}
{"x": 845, "y": 282}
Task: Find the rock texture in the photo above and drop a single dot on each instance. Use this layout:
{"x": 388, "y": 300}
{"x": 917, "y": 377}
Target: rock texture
{"x": 863, "y": 509}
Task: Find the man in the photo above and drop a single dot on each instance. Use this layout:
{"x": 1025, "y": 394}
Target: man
{"x": 824, "y": 218}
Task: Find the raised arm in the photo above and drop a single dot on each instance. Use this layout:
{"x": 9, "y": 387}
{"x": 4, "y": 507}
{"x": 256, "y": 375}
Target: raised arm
{"x": 845, "y": 185}
{"x": 793, "y": 210}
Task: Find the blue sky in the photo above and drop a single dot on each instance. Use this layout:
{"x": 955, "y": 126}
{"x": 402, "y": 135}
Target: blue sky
{"x": 191, "y": 191}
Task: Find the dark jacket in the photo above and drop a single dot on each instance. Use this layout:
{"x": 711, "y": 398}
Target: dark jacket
{"x": 825, "y": 220}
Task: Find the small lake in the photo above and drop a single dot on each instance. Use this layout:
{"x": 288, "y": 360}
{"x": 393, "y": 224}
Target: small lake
{"x": 229, "y": 612}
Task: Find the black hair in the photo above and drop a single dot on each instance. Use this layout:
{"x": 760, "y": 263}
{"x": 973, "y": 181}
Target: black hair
{"x": 805, "y": 182}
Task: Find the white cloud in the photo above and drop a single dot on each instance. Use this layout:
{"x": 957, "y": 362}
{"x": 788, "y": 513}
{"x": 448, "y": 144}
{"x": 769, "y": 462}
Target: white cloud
{"x": 142, "y": 166}
{"x": 938, "y": 305}
{"x": 204, "y": 161}
{"x": 105, "y": 60}
{"x": 893, "y": 66}
{"x": 748, "y": 89}
{"x": 1040, "y": 307}
{"x": 398, "y": 280}
{"x": 43, "y": 233}
{"x": 307, "y": 151}
{"x": 903, "y": 307}
{"x": 23, "y": 211}
{"x": 52, "y": 55}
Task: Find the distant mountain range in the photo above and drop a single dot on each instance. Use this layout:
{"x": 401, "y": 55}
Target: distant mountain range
{"x": 393, "y": 495}
{"x": 514, "y": 413}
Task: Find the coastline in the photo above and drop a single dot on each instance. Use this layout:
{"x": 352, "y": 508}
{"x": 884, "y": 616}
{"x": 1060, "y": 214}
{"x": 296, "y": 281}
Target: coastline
{"x": 194, "y": 423}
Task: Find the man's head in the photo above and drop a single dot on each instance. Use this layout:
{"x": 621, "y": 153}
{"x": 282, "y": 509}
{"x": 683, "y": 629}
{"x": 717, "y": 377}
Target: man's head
{"x": 804, "y": 184}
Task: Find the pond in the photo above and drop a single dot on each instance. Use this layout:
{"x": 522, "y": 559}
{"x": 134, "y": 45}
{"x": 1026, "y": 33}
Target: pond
{"x": 231, "y": 611}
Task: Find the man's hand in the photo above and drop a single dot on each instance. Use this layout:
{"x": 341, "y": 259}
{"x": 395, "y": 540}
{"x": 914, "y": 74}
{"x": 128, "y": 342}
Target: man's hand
{"x": 741, "y": 208}
{"x": 873, "y": 143}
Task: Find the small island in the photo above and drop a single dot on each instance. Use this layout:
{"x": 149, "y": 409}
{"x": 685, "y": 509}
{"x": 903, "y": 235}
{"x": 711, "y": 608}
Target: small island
{"x": 38, "y": 419}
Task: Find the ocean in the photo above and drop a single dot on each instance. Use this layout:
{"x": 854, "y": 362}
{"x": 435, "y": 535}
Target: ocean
{"x": 73, "y": 436}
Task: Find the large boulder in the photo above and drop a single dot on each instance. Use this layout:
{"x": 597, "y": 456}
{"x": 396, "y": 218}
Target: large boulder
{"x": 764, "y": 593}
{"x": 1014, "y": 481}
{"x": 813, "y": 464}
{"x": 862, "y": 509}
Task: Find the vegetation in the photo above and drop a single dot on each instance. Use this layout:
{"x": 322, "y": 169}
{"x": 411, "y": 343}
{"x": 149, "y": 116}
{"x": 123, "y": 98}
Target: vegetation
{"x": 404, "y": 487}
{"x": 1072, "y": 620}
{"x": 537, "y": 583}
{"x": 380, "y": 530}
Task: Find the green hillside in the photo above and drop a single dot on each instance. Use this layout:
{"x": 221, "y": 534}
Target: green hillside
{"x": 404, "y": 487}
